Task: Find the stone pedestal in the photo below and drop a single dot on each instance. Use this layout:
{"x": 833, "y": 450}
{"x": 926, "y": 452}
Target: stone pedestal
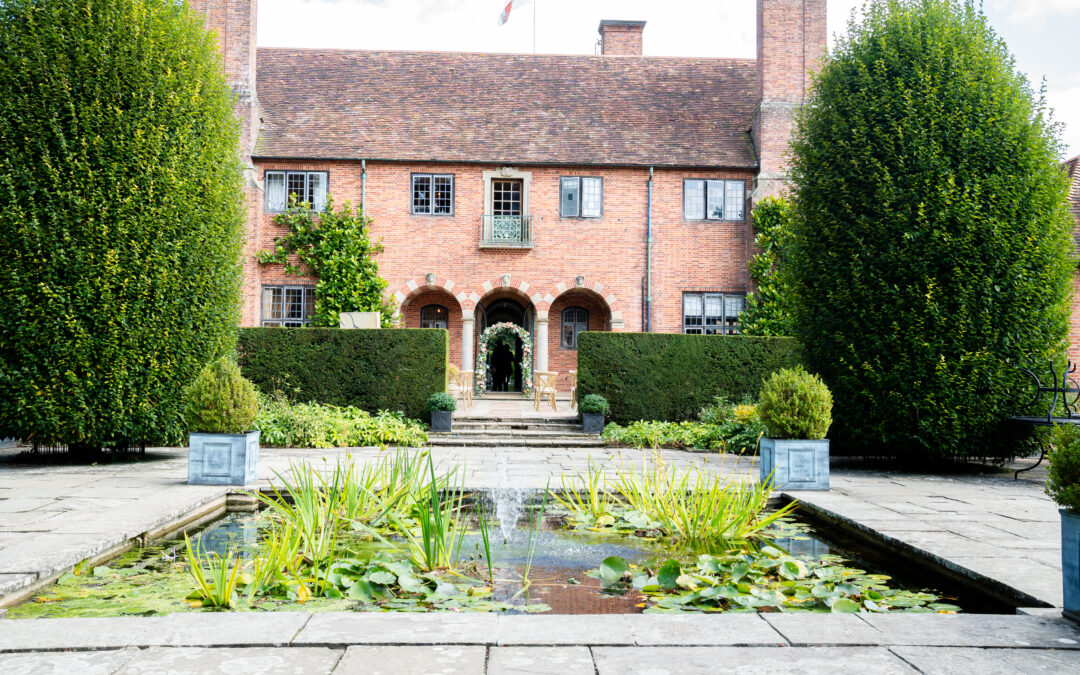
{"x": 795, "y": 464}
{"x": 223, "y": 459}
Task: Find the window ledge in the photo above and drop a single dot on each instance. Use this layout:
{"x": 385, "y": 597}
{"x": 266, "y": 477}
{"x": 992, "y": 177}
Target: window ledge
{"x": 506, "y": 244}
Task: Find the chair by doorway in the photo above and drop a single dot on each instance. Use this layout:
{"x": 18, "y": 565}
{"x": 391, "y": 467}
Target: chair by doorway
{"x": 544, "y": 388}
{"x": 573, "y": 389}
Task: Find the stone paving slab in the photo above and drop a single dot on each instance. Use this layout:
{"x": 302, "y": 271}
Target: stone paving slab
{"x": 973, "y": 660}
{"x": 826, "y": 629}
{"x": 253, "y": 661}
{"x": 540, "y": 661}
{"x": 335, "y": 628}
{"x": 746, "y": 660}
{"x": 976, "y": 630}
{"x": 50, "y": 634}
{"x": 66, "y": 663}
{"x": 413, "y": 660}
{"x": 603, "y": 629}
{"x": 702, "y": 629}
{"x": 212, "y": 629}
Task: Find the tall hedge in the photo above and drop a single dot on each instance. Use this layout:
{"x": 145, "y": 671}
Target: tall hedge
{"x": 931, "y": 239}
{"x": 669, "y": 376}
{"x": 394, "y": 369}
{"x": 120, "y": 217}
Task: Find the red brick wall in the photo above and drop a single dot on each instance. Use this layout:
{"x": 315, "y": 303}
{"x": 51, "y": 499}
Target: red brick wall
{"x": 621, "y": 39}
{"x": 410, "y": 316}
{"x": 562, "y": 359}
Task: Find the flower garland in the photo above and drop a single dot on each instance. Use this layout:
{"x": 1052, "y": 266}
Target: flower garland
{"x": 482, "y": 365}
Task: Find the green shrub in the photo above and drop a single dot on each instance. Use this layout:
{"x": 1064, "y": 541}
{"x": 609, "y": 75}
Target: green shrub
{"x": 931, "y": 238}
{"x": 594, "y": 404}
{"x": 392, "y": 369}
{"x": 122, "y": 219}
{"x": 795, "y": 404}
{"x": 1063, "y": 475}
{"x": 768, "y": 308}
{"x": 220, "y": 400}
{"x": 285, "y": 424}
{"x": 441, "y": 401}
{"x": 670, "y": 377}
{"x": 646, "y": 434}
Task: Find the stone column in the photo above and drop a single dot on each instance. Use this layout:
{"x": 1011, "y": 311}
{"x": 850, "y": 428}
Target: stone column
{"x": 467, "y": 331}
{"x": 540, "y": 357}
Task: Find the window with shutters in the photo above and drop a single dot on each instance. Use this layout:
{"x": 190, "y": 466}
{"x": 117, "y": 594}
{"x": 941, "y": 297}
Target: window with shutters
{"x": 433, "y": 194}
{"x": 288, "y": 306}
{"x": 307, "y": 186}
{"x": 581, "y": 197}
{"x": 434, "y": 316}
{"x": 713, "y": 199}
{"x": 712, "y": 313}
{"x": 575, "y": 320}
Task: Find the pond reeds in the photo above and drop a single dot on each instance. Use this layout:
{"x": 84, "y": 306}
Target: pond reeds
{"x": 215, "y": 586}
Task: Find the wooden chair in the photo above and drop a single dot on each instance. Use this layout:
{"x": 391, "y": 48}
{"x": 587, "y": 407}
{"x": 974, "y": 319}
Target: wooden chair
{"x": 465, "y": 387}
{"x": 544, "y": 388}
{"x": 573, "y": 389}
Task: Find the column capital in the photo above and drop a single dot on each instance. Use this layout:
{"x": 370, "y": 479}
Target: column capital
{"x": 541, "y": 316}
{"x": 468, "y": 316}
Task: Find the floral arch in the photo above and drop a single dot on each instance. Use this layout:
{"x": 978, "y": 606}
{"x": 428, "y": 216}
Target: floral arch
{"x": 497, "y": 333}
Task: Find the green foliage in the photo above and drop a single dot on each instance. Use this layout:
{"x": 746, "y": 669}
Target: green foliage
{"x": 443, "y": 401}
{"x": 648, "y": 434}
{"x": 768, "y": 310}
{"x": 220, "y": 400}
{"x": 669, "y": 377}
{"x": 122, "y": 219}
{"x": 594, "y": 404}
{"x": 740, "y": 426}
{"x": 930, "y": 239}
{"x": 1063, "y": 475}
{"x": 285, "y": 424}
{"x": 370, "y": 369}
{"x": 216, "y": 577}
{"x": 334, "y": 246}
{"x": 795, "y": 404}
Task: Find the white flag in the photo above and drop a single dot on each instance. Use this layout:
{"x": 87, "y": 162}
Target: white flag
{"x": 510, "y": 4}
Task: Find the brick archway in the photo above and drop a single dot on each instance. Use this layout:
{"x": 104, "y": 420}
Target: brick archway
{"x": 419, "y": 285}
{"x": 614, "y": 304}
{"x": 508, "y": 283}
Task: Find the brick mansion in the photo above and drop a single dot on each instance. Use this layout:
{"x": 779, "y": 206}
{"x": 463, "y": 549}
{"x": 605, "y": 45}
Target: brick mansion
{"x": 559, "y": 193}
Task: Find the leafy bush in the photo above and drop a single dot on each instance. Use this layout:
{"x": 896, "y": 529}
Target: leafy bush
{"x": 285, "y": 424}
{"x": 370, "y": 369}
{"x": 122, "y": 218}
{"x": 647, "y": 434}
{"x": 795, "y": 404}
{"x": 594, "y": 404}
{"x": 739, "y": 426}
{"x": 441, "y": 401}
{"x": 768, "y": 308}
{"x": 220, "y": 400}
{"x": 334, "y": 247}
{"x": 669, "y": 377}
{"x": 931, "y": 239}
{"x": 1063, "y": 476}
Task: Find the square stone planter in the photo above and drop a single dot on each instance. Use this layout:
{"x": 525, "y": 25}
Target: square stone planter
{"x": 592, "y": 423}
{"x": 442, "y": 420}
{"x": 1070, "y": 563}
{"x": 223, "y": 459}
{"x": 795, "y": 464}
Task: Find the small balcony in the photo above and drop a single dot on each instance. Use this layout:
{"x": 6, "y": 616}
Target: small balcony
{"x": 506, "y": 231}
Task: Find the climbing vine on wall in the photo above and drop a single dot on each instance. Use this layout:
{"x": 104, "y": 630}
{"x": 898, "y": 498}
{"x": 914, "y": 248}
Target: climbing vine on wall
{"x": 334, "y": 246}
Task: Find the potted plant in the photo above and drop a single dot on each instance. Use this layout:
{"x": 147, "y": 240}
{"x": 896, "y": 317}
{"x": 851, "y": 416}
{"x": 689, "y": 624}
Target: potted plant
{"x": 442, "y": 407}
{"x": 593, "y": 408}
{"x": 796, "y": 409}
{"x": 219, "y": 408}
{"x": 1063, "y": 485}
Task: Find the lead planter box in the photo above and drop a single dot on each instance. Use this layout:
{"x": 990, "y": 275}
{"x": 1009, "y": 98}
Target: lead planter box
{"x": 592, "y": 423}
{"x": 442, "y": 420}
{"x": 795, "y": 464}
{"x": 1070, "y": 563}
{"x": 223, "y": 459}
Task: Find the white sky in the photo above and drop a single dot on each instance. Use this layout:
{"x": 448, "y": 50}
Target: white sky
{"x": 1040, "y": 33}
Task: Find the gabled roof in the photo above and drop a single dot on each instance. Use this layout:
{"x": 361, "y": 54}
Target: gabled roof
{"x": 506, "y": 108}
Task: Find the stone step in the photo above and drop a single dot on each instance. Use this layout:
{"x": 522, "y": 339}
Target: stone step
{"x": 519, "y": 433}
{"x": 498, "y": 419}
{"x": 470, "y": 440}
{"x": 520, "y": 425}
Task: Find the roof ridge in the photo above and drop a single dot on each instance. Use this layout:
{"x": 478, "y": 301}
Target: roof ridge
{"x": 338, "y": 50}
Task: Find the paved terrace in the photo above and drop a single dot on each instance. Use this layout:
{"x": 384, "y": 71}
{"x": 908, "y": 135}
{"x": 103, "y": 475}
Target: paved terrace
{"x": 1000, "y": 531}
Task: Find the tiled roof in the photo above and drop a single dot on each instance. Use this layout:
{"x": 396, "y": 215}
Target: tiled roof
{"x": 506, "y": 108}
{"x": 1072, "y": 166}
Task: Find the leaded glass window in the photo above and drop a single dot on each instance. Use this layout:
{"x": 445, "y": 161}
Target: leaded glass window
{"x": 575, "y": 320}
{"x": 306, "y": 186}
{"x": 434, "y": 316}
{"x": 581, "y": 197}
{"x": 506, "y": 197}
{"x": 433, "y": 194}
{"x": 713, "y": 199}
{"x": 712, "y": 313}
{"x": 288, "y": 306}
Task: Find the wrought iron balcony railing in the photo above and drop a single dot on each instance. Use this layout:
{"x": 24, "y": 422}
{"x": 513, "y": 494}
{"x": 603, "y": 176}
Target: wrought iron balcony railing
{"x": 505, "y": 231}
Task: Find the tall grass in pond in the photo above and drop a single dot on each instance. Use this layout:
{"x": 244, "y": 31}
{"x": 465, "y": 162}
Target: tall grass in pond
{"x": 534, "y": 538}
{"x": 698, "y": 507}
{"x": 588, "y": 494}
{"x": 216, "y": 577}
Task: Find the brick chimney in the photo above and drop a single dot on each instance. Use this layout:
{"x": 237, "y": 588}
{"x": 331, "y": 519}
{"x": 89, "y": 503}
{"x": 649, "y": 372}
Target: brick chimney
{"x": 621, "y": 38}
{"x": 791, "y": 38}
{"x": 234, "y": 24}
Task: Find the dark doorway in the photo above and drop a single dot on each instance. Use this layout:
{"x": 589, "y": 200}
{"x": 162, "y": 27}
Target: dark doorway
{"x": 505, "y": 355}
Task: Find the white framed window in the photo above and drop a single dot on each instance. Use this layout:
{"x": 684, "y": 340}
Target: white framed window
{"x": 575, "y": 320}
{"x": 712, "y": 313}
{"x": 581, "y": 197}
{"x": 434, "y": 316}
{"x": 288, "y": 306}
{"x": 705, "y": 199}
{"x": 433, "y": 194}
{"x": 307, "y": 186}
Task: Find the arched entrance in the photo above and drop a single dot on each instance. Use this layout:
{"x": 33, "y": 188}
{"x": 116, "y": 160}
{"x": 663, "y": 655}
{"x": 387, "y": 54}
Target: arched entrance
{"x": 506, "y": 351}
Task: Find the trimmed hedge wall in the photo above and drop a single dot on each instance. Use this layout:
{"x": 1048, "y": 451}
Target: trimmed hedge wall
{"x": 393, "y": 369}
{"x": 670, "y": 376}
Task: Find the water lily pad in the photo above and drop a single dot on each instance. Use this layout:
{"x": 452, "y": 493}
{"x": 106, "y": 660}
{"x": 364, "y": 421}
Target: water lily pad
{"x": 844, "y": 606}
{"x": 613, "y": 568}
{"x": 381, "y": 577}
{"x": 668, "y": 576}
